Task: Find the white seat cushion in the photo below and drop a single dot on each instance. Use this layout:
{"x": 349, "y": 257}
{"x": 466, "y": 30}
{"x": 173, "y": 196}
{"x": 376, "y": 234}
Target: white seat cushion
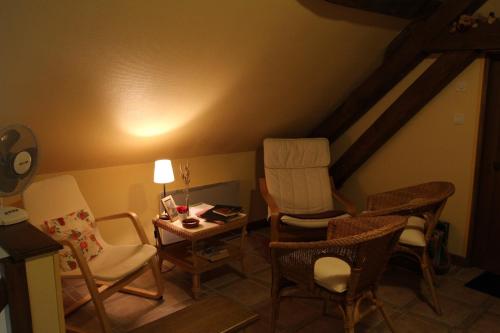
{"x": 116, "y": 262}
{"x": 310, "y": 223}
{"x": 332, "y": 273}
{"x": 413, "y": 234}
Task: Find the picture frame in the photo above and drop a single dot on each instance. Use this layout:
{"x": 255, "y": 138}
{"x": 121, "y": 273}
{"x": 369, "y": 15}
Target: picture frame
{"x": 170, "y": 207}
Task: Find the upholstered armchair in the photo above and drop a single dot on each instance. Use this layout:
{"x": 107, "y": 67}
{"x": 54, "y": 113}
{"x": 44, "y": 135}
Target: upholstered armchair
{"x": 298, "y": 189}
{"x": 344, "y": 269}
{"x": 57, "y": 207}
{"x": 423, "y": 205}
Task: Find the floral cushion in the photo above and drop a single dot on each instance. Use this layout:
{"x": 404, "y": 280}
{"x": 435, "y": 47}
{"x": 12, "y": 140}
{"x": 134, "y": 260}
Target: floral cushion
{"x": 77, "y": 228}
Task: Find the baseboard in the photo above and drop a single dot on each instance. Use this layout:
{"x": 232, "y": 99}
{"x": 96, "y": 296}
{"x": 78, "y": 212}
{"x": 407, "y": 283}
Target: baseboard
{"x": 460, "y": 261}
{"x": 257, "y": 224}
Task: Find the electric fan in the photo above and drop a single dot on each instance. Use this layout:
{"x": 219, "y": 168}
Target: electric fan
{"x": 18, "y": 162}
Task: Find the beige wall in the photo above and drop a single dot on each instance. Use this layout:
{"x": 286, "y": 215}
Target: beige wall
{"x": 429, "y": 147}
{"x": 109, "y": 83}
{"x": 131, "y": 188}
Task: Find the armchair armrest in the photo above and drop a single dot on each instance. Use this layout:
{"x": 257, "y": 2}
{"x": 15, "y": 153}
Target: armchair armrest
{"x": 133, "y": 218}
{"x": 271, "y": 203}
{"x": 273, "y": 208}
{"x": 78, "y": 255}
{"x": 349, "y": 205}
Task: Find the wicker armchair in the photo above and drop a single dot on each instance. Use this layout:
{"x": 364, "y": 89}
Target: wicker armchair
{"x": 423, "y": 204}
{"x": 345, "y": 268}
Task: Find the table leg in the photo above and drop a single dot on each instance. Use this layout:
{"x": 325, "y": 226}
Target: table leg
{"x": 242, "y": 249}
{"x": 196, "y": 286}
{"x": 196, "y": 289}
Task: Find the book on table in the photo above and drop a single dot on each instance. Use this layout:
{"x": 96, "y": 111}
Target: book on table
{"x": 213, "y": 251}
{"x": 221, "y": 214}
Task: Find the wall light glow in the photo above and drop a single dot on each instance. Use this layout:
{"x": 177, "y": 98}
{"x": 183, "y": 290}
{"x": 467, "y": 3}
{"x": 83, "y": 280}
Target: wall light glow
{"x": 148, "y": 102}
{"x": 147, "y": 118}
{"x": 146, "y": 111}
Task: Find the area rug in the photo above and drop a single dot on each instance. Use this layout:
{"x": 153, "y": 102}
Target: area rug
{"x": 487, "y": 282}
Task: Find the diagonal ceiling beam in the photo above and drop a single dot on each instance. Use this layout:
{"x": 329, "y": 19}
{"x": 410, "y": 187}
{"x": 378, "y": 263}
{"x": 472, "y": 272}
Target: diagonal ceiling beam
{"x": 410, "y": 51}
{"x": 428, "y": 85}
{"x": 485, "y": 37}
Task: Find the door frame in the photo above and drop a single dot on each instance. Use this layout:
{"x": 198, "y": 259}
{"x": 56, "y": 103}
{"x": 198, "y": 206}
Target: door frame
{"x": 472, "y": 229}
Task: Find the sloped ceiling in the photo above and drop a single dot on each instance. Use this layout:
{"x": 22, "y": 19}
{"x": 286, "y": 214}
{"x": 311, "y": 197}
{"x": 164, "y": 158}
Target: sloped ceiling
{"x": 107, "y": 83}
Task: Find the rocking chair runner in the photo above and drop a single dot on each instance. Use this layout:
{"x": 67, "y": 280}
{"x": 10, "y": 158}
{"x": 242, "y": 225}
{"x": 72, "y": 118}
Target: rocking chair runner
{"x": 344, "y": 269}
{"x": 115, "y": 266}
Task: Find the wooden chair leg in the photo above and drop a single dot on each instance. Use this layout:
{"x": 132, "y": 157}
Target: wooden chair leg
{"x": 349, "y": 318}
{"x": 157, "y": 276}
{"x": 275, "y": 312}
{"x": 380, "y": 307}
{"x": 160, "y": 263}
{"x": 101, "y": 314}
{"x": 433, "y": 274}
{"x": 426, "y": 270}
{"x": 99, "y": 306}
{"x": 275, "y": 302}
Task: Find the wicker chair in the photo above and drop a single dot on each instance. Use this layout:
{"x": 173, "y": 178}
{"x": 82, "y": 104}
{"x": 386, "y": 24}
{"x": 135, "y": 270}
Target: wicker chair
{"x": 345, "y": 268}
{"x": 298, "y": 190}
{"x": 423, "y": 204}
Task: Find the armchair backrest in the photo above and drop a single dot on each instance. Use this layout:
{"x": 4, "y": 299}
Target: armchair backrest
{"x": 52, "y": 198}
{"x": 372, "y": 258}
{"x": 426, "y": 200}
{"x": 297, "y": 176}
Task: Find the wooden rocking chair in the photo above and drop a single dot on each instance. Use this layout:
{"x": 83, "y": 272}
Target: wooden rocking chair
{"x": 114, "y": 267}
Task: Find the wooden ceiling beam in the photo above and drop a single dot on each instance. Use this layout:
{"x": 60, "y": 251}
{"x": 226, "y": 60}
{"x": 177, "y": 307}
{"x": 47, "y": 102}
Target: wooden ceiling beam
{"x": 486, "y": 37}
{"x": 408, "y": 9}
{"x": 428, "y": 85}
{"x": 410, "y": 51}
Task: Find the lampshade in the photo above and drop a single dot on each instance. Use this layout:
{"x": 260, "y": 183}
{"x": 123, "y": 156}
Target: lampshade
{"x": 163, "y": 172}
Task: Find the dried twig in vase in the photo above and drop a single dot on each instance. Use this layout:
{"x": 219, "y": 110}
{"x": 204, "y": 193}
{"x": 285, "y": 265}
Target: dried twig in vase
{"x": 186, "y": 177}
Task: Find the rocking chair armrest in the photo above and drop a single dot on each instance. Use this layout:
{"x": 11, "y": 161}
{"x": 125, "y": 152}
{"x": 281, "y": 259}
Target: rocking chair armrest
{"x": 133, "y": 218}
{"x": 348, "y": 204}
{"x": 271, "y": 203}
{"x": 80, "y": 259}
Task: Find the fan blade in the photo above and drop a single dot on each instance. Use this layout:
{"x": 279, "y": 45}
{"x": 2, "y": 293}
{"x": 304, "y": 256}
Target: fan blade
{"x": 8, "y": 140}
{"x": 7, "y": 182}
{"x": 8, "y": 178}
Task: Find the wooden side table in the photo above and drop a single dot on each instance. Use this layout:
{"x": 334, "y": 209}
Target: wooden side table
{"x": 184, "y": 253}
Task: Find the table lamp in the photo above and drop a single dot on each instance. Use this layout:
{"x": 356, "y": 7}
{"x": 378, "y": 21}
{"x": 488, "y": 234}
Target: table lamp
{"x": 163, "y": 174}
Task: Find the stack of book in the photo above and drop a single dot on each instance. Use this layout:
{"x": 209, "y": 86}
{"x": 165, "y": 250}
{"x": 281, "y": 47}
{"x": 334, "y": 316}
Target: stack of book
{"x": 213, "y": 253}
{"x": 221, "y": 214}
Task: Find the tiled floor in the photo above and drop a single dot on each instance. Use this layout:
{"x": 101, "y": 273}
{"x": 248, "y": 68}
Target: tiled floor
{"x": 404, "y": 293}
